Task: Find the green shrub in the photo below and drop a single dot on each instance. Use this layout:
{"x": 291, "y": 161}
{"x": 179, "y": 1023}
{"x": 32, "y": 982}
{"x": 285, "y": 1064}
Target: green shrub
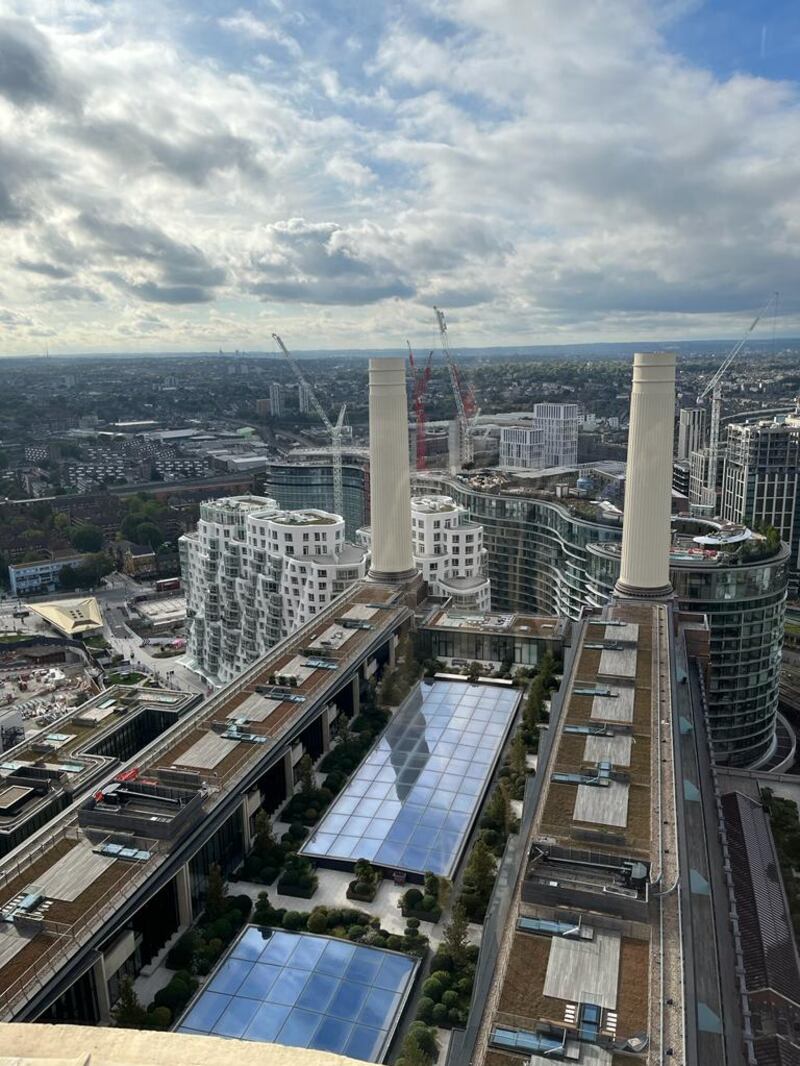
{"x": 450, "y": 998}
{"x": 439, "y": 1013}
{"x": 335, "y": 782}
{"x": 412, "y": 898}
{"x": 221, "y": 929}
{"x": 425, "y": 1009}
{"x": 432, "y": 989}
{"x": 442, "y": 976}
{"x": 294, "y": 920}
{"x": 355, "y": 932}
{"x": 243, "y": 904}
{"x": 174, "y": 995}
{"x": 394, "y": 942}
{"x": 442, "y": 960}
{"x": 159, "y": 1018}
{"x": 413, "y": 923}
{"x": 180, "y": 955}
{"x": 428, "y": 903}
{"x": 317, "y": 921}
{"x": 425, "y": 1038}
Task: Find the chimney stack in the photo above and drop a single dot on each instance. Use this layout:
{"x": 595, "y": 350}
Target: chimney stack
{"x": 390, "y": 482}
{"x": 648, "y": 485}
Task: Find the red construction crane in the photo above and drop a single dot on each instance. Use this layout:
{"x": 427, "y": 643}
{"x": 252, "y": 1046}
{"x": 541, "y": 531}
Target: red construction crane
{"x": 420, "y": 379}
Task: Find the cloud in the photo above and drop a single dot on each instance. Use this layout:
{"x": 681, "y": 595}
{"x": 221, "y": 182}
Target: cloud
{"x": 50, "y": 270}
{"x": 29, "y": 71}
{"x": 245, "y": 24}
{"x": 321, "y": 263}
{"x": 349, "y": 172}
{"x": 545, "y": 177}
{"x": 181, "y": 272}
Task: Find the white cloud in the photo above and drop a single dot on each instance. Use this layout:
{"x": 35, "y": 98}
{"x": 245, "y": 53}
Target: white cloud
{"x": 247, "y": 25}
{"x": 547, "y": 177}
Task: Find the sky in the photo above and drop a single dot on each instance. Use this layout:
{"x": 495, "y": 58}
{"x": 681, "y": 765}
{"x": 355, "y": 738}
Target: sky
{"x": 180, "y": 175}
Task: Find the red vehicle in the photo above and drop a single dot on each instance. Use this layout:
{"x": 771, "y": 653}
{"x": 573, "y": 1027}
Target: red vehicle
{"x": 168, "y": 584}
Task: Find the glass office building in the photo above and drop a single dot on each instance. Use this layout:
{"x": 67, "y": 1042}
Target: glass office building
{"x": 305, "y": 479}
{"x": 553, "y": 557}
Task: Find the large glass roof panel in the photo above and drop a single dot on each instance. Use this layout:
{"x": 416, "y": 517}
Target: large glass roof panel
{"x": 411, "y": 803}
{"x": 303, "y": 990}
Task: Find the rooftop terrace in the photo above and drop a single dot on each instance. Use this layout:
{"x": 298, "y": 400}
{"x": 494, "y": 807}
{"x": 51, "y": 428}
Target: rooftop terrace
{"x": 55, "y": 765}
{"x": 210, "y": 753}
{"x": 579, "y": 974}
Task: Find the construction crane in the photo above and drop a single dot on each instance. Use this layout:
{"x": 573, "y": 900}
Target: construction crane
{"x": 466, "y": 408}
{"x": 420, "y": 378}
{"x": 335, "y": 430}
{"x": 714, "y": 387}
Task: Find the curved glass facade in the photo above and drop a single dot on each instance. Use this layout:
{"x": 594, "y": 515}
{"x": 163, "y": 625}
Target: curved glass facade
{"x": 537, "y": 549}
{"x": 544, "y": 558}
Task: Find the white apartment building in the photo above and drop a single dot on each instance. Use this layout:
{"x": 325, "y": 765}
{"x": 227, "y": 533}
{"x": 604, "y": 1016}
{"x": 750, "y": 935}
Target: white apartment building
{"x": 304, "y": 404}
{"x": 276, "y": 399}
{"x": 254, "y": 573}
{"x": 521, "y": 447}
{"x": 691, "y": 431}
{"x": 448, "y": 551}
{"x": 761, "y": 480}
{"x": 559, "y": 425}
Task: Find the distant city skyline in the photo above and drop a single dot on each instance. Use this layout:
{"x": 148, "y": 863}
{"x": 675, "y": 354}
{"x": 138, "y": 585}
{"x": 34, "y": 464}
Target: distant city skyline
{"x": 180, "y": 176}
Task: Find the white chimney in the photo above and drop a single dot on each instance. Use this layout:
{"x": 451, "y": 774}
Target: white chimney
{"x": 390, "y": 483}
{"x": 648, "y": 485}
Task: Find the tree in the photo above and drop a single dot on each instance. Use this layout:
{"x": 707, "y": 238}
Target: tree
{"x": 547, "y": 669}
{"x": 454, "y": 937}
{"x": 306, "y": 768}
{"x": 263, "y": 840}
{"x": 534, "y": 704}
{"x": 128, "y": 1013}
{"x": 413, "y": 1054}
{"x": 215, "y": 893}
{"x": 387, "y": 690}
{"x": 149, "y": 533}
{"x": 498, "y": 813}
{"x": 474, "y": 671}
{"x": 519, "y": 764}
{"x": 481, "y": 869}
{"x": 87, "y": 538}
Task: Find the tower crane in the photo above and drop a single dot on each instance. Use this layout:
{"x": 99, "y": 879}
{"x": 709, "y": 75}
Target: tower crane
{"x": 714, "y": 387}
{"x": 335, "y": 430}
{"x": 466, "y": 408}
{"x": 420, "y": 378}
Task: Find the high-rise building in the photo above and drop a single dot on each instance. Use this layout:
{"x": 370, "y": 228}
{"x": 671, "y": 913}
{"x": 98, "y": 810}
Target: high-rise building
{"x": 761, "y": 480}
{"x": 276, "y": 399}
{"x": 521, "y": 447}
{"x": 691, "y": 431}
{"x": 304, "y": 478}
{"x": 559, "y": 425}
{"x": 448, "y": 551}
{"x": 560, "y": 556}
{"x": 303, "y": 399}
{"x": 254, "y": 573}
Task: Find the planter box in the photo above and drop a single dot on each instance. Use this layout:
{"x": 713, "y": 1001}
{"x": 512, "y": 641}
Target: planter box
{"x": 424, "y": 916}
{"x": 352, "y": 894}
{"x": 296, "y": 890}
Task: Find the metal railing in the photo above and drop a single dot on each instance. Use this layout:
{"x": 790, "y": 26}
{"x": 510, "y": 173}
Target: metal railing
{"x": 70, "y": 936}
